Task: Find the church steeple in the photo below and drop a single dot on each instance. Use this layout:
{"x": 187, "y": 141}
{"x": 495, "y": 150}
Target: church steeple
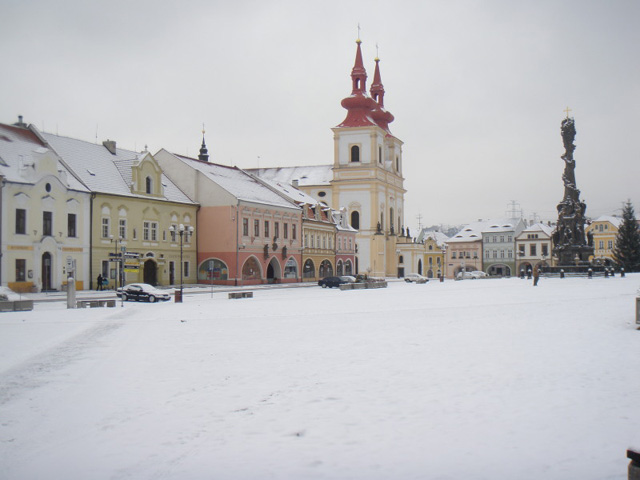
{"x": 380, "y": 115}
{"x": 204, "y": 154}
{"x": 359, "y": 104}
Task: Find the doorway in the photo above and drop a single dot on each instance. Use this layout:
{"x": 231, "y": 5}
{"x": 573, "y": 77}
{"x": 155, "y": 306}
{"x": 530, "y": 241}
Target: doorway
{"x": 150, "y": 273}
{"x": 46, "y": 271}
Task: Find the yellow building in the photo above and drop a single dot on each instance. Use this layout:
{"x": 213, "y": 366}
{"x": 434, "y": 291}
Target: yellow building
{"x": 133, "y": 207}
{"x": 45, "y": 215}
{"x": 319, "y": 236}
{"x": 433, "y": 253}
{"x": 604, "y": 231}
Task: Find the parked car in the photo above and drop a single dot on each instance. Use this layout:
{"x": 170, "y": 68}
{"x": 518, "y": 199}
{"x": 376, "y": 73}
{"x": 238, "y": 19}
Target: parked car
{"x": 142, "y": 292}
{"x": 332, "y": 282}
{"x": 415, "y": 278}
{"x": 471, "y": 275}
{"x": 348, "y": 278}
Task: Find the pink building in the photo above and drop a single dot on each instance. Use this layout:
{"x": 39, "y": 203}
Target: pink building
{"x": 247, "y": 234}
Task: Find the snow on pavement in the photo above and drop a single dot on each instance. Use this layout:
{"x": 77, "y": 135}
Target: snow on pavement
{"x": 475, "y": 379}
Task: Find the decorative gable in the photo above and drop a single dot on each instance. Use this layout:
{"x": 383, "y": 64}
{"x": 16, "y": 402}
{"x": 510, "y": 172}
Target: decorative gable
{"x": 146, "y": 176}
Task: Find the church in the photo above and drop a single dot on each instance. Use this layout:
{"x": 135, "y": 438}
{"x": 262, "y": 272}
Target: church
{"x": 365, "y": 178}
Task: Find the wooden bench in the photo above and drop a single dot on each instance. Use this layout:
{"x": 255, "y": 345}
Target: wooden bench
{"x": 240, "y": 294}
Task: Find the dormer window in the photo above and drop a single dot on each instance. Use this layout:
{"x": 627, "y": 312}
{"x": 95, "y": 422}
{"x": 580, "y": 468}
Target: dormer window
{"x": 148, "y": 185}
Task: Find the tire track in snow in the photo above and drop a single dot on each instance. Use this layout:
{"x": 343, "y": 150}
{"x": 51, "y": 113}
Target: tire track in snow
{"x": 35, "y": 372}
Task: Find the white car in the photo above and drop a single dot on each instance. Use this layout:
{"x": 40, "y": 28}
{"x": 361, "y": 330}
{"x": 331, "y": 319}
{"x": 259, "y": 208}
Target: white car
{"x": 471, "y": 275}
{"x": 415, "y": 278}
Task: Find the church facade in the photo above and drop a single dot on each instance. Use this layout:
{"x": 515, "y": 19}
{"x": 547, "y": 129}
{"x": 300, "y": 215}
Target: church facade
{"x": 366, "y": 177}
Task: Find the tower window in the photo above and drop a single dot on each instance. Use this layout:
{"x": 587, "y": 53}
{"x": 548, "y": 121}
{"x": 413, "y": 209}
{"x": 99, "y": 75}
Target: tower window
{"x": 379, "y": 154}
{"x": 355, "y": 220}
{"x": 355, "y": 153}
{"x": 148, "y": 185}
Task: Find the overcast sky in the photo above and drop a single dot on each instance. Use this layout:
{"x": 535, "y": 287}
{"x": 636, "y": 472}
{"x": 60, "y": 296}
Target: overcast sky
{"x": 478, "y": 88}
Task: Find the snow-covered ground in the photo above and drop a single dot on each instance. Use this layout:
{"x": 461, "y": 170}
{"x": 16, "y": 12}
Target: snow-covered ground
{"x": 488, "y": 379}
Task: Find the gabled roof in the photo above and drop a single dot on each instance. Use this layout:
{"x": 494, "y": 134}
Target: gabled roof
{"x": 288, "y": 191}
{"x": 438, "y": 237}
{"x": 237, "y": 182}
{"x": 471, "y": 232}
{"x": 104, "y": 172}
{"x": 615, "y": 221}
{"x": 312, "y": 175}
{"x": 539, "y": 227}
{"x": 19, "y": 147}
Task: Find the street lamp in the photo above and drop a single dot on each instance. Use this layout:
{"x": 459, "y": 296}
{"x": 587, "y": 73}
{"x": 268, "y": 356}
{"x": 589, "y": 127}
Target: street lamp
{"x": 118, "y": 261}
{"x": 181, "y": 230}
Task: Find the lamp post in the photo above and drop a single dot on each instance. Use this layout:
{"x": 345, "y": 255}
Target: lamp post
{"x": 181, "y": 231}
{"x": 115, "y": 258}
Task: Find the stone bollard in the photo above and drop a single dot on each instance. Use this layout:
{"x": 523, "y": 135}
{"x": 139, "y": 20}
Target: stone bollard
{"x": 634, "y": 465}
{"x": 590, "y": 273}
{"x": 441, "y": 278}
{"x": 522, "y": 273}
{"x": 561, "y": 273}
{"x": 613, "y": 272}
{"x": 529, "y": 274}
{"x": 606, "y": 273}
{"x": 622, "y": 272}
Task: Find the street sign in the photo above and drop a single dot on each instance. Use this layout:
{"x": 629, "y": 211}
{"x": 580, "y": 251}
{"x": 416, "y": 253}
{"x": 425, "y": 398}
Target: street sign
{"x": 131, "y": 255}
{"x": 114, "y": 255}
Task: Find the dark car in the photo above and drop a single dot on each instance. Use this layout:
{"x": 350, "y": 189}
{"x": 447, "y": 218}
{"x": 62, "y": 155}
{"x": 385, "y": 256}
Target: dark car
{"x": 142, "y": 292}
{"x": 332, "y": 282}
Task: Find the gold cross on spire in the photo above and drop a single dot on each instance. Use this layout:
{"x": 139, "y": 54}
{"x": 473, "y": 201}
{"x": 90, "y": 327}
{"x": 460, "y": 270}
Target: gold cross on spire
{"x": 203, "y": 129}
{"x": 567, "y": 110}
{"x": 377, "y": 54}
{"x": 358, "y": 32}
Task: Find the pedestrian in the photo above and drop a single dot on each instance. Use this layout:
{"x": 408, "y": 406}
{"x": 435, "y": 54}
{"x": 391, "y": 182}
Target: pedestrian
{"x": 99, "y": 282}
{"x": 536, "y": 276}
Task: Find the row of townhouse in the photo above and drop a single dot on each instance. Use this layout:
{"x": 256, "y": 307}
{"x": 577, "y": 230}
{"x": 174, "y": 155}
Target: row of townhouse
{"x": 163, "y": 219}
{"x": 505, "y": 247}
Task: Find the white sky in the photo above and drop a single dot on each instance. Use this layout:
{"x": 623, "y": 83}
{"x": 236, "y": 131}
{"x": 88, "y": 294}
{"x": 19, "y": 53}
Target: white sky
{"x": 477, "y": 88}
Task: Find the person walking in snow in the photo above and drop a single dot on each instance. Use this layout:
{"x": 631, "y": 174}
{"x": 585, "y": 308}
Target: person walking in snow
{"x": 99, "y": 287}
{"x": 536, "y": 276}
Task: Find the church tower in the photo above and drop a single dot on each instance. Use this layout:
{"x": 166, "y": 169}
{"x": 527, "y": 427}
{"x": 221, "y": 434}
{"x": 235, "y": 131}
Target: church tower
{"x": 367, "y": 173}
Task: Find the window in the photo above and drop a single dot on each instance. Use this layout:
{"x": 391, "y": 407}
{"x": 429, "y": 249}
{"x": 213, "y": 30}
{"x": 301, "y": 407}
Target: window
{"x": 475, "y": 254}
{"x": 148, "y": 185}
{"x": 609, "y": 244}
{"x": 509, "y": 239}
{"x": 293, "y": 231}
{"x": 313, "y": 241}
{"x": 355, "y": 220}
{"x": 47, "y": 223}
{"x": 510, "y": 253}
{"x": 266, "y": 228}
{"x": 174, "y": 232}
{"x": 135, "y": 234}
{"x": 146, "y": 227}
{"x": 397, "y": 163}
{"x": 71, "y": 225}
{"x": 486, "y": 254}
{"x": 501, "y": 238}
{"x": 122, "y": 228}
{"x": 601, "y": 244}
{"x": 256, "y": 228}
{"x": 521, "y": 249}
{"x": 379, "y": 154}
{"x": 154, "y": 231}
{"x": 105, "y": 268}
{"x": 306, "y": 239}
{"x": 453, "y": 255}
{"x": 21, "y": 221}
{"x": 285, "y": 228}
{"x": 501, "y": 253}
{"x": 532, "y": 250}
{"x": 105, "y": 227}
{"x": 545, "y": 250}
{"x": 21, "y": 270}
{"x": 245, "y": 227}
{"x": 186, "y": 269}
{"x": 276, "y": 230}
{"x": 355, "y": 153}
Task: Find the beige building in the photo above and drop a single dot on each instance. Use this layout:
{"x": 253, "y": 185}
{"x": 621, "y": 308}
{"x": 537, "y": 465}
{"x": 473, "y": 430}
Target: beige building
{"x": 133, "y": 206}
{"x": 45, "y": 211}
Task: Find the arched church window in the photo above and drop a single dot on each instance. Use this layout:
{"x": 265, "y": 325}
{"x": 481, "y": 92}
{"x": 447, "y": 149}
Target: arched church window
{"x": 355, "y": 220}
{"x": 148, "y": 185}
{"x": 355, "y": 153}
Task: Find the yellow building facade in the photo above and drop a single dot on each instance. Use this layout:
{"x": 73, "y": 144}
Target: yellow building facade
{"x": 603, "y": 232}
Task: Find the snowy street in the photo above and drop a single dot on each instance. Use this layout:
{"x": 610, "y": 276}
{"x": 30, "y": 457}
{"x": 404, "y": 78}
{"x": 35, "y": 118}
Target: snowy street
{"x": 472, "y": 379}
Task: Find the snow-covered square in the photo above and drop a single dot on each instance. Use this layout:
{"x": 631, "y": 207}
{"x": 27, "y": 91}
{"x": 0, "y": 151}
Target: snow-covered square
{"x": 472, "y": 379}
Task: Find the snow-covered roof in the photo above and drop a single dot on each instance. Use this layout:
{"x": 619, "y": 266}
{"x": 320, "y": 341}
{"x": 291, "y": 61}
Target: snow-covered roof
{"x": 104, "y": 172}
{"x": 237, "y": 182}
{"x": 289, "y": 191}
{"x": 438, "y": 237}
{"x": 615, "y": 221}
{"x": 473, "y": 231}
{"x": 306, "y": 175}
{"x": 539, "y": 227}
{"x": 19, "y": 147}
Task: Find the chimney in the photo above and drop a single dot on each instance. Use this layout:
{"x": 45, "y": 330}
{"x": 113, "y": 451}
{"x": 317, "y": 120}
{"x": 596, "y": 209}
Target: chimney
{"x": 110, "y": 145}
{"x": 20, "y": 122}
{"x": 295, "y": 183}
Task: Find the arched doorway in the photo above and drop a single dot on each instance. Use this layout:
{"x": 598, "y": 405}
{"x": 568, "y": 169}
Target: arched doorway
{"x": 46, "y": 271}
{"x": 274, "y": 272}
{"x": 151, "y": 273}
{"x": 499, "y": 270}
{"x": 326, "y": 269}
{"x": 420, "y": 266}
{"x": 308, "y": 270}
{"x": 339, "y": 268}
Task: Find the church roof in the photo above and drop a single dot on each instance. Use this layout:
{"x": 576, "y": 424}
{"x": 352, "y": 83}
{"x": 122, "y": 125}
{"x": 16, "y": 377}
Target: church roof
{"x": 315, "y": 175}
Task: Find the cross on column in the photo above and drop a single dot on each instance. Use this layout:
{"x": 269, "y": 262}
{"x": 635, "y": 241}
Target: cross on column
{"x": 567, "y": 110}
